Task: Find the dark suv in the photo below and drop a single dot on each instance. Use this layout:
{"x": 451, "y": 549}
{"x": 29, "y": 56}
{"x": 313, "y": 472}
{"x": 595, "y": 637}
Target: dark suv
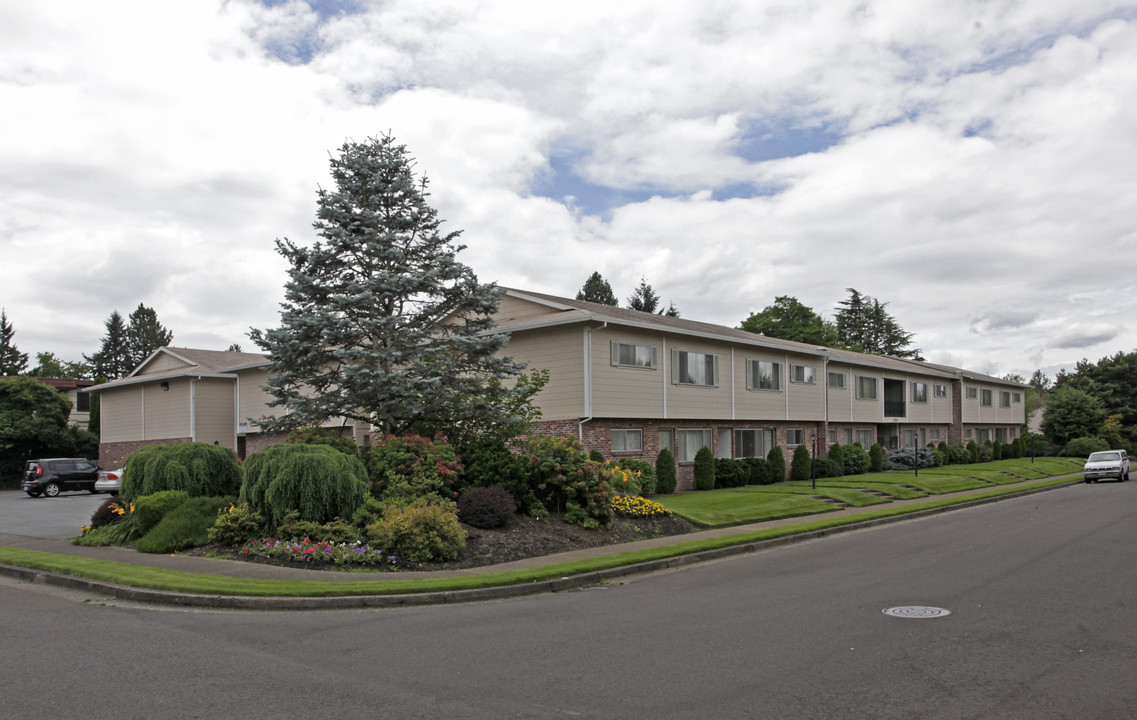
{"x": 52, "y": 476}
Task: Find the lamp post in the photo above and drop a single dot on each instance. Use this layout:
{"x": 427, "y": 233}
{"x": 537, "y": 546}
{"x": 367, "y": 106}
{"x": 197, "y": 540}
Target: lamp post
{"x": 813, "y": 461}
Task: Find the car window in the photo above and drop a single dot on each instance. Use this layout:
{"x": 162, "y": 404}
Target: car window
{"x": 64, "y": 467}
{"x": 1104, "y": 456}
{"x": 85, "y": 466}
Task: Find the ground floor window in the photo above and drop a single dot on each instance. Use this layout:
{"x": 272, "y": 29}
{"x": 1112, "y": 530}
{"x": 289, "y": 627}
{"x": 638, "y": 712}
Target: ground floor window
{"x": 984, "y": 435}
{"x": 755, "y": 442}
{"x": 832, "y": 436}
{"x": 967, "y": 433}
{"x": 848, "y": 436}
{"x": 1014, "y": 432}
{"x": 627, "y": 441}
{"x": 865, "y": 438}
{"x": 690, "y": 441}
{"x": 667, "y": 440}
{"x": 1001, "y": 435}
{"x": 795, "y": 436}
{"x": 935, "y": 434}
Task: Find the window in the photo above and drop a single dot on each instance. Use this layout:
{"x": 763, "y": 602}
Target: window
{"x": 802, "y": 373}
{"x": 627, "y": 441}
{"x": 763, "y": 375}
{"x": 1004, "y": 398}
{"x": 935, "y": 434}
{"x": 1016, "y": 397}
{"x": 972, "y": 393}
{"x": 832, "y": 436}
{"x": 967, "y": 434}
{"x": 837, "y": 380}
{"x": 984, "y": 435}
{"x": 848, "y": 436}
{"x": 628, "y": 355}
{"x": 795, "y": 436}
{"x": 690, "y": 441}
{"x": 919, "y": 392}
{"x": 1014, "y": 432}
{"x": 83, "y": 402}
{"x": 865, "y": 438}
{"x": 866, "y": 388}
{"x": 941, "y": 390}
{"x": 667, "y": 439}
{"x": 910, "y": 439}
{"x": 985, "y": 398}
{"x": 753, "y": 443}
{"x": 693, "y": 368}
{"x": 1001, "y": 435}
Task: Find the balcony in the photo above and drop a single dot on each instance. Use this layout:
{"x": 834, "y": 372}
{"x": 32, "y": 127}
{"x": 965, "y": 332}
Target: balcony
{"x": 894, "y": 408}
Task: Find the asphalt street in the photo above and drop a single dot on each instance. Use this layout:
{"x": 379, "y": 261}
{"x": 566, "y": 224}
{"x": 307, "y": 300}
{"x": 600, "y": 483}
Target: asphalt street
{"x": 1042, "y": 592}
{"x": 44, "y": 517}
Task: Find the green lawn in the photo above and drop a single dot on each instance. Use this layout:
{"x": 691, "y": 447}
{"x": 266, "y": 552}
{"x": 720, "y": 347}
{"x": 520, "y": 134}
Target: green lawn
{"x": 850, "y": 495}
{"x": 739, "y": 506}
{"x": 897, "y": 492}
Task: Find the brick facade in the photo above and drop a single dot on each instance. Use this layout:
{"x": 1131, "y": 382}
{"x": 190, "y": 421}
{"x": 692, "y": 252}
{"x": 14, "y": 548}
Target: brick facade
{"x": 113, "y": 454}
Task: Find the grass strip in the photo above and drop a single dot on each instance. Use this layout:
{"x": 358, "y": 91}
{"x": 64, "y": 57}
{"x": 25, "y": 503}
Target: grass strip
{"x": 741, "y": 506}
{"x": 122, "y": 573}
{"x": 848, "y": 494}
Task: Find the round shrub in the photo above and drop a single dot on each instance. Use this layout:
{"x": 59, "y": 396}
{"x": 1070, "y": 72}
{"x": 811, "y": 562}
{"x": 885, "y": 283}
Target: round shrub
{"x": 665, "y": 475}
{"x": 856, "y": 460}
{"x": 318, "y": 482}
{"x": 800, "y": 465}
{"x": 646, "y": 472}
{"x": 776, "y": 465}
{"x": 704, "y": 469}
{"x": 758, "y": 471}
{"x": 1083, "y": 446}
{"x": 983, "y": 452}
{"x": 945, "y": 452}
{"x": 236, "y": 525}
{"x": 958, "y": 455}
{"x": 422, "y": 531}
{"x": 486, "y": 507}
{"x": 109, "y": 511}
{"x": 410, "y": 466}
{"x": 876, "y": 458}
{"x": 150, "y": 509}
{"x": 323, "y": 436}
{"x": 198, "y": 469}
{"x": 826, "y": 468}
{"x": 730, "y": 473}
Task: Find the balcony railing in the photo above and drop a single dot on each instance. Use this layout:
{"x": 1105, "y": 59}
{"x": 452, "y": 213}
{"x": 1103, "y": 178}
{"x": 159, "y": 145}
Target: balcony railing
{"x": 894, "y": 408}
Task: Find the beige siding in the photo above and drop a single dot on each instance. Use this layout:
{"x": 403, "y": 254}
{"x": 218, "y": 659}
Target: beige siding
{"x": 253, "y": 399}
{"x": 120, "y": 414}
{"x": 214, "y": 412}
{"x": 512, "y": 309}
{"x": 561, "y": 352}
{"x": 793, "y": 401}
{"x": 840, "y": 400}
{"x": 685, "y": 401}
{"x": 162, "y": 363}
{"x": 865, "y": 410}
{"x": 167, "y": 412}
{"x": 627, "y": 391}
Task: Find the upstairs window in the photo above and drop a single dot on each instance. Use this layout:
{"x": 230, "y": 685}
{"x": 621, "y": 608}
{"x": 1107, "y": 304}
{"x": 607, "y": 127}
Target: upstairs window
{"x": 630, "y": 355}
{"x": 866, "y": 388}
{"x": 763, "y": 375}
{"x": 941, "y": 390}
{"x": 837, "y": 380}
{"x": 802, "y": 373}
{"x": 693, "y": 368}
{"x": 985, "y": 398}
{"x": 972, "y": 393}
{"x": 919, "y": 392}
{"x": 1004, "y": 398}
{"x": 1017, "y": 397}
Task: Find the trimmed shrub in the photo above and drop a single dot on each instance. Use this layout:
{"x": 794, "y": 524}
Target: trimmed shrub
{"x": 236, "y": 525}
{"x": 959, "y": 455}
{"x": 775, "y": 465}
{"x": 488, "y": 462}
{"x": 857, "y": 461}
{"x": 758, "y": 471}
{"x": 731, "y": 473}
{"x": 876, "y": 458}
{"x": 150, "y": 509}
{"x": 422, "y": 531}
{"x": 185, "y": 526}
{"x": 920, "y": 458}
{"x": 996, "y": 450}
{"x": 647, "y": 476}
{"x": 972, "y": 451}
{"x": 945, "y": 452}
{"x": 1082, "y": 447}
{"x": 337, "y": 531}
{"x": 323, "y": 436}
{"x": 486, "y": 507}
{"x": 198, "y": 469}
{"x": 565, "y": 480}
{"x": 704, "y": 469}
{"x": 665, "y": 474}
{"x": 837, "y": 455}
{"x": 318, "y": 482}
{"x": 596, "y": 456}
{"x": 983, "y": 453}
{"x": 801, "y": 463}
{"x": 411, "y": 466}
{"x": 109, "y": 511}
{"x": 826, "y": 468}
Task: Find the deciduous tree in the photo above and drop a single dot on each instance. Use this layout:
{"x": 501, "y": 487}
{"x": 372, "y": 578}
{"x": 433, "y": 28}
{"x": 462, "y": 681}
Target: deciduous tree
{"x": 789, "y": 319}
{"x": 381, "y": 322}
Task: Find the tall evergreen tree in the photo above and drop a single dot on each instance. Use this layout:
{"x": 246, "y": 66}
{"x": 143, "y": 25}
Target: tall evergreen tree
{"x": 789, "y": 319}
{"x": 671, "y": 310}
{"x": 12, "y": 361}
{"x": 864, "y": 325}
{"x": 596, "y": 289}
{"x": 381, "y": 322}
{"x": 144, "y": 335}
{"x": 645, "y": 298}
{"x": 112, "y": 361}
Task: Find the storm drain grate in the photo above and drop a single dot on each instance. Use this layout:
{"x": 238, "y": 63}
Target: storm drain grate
{"x": 918, "y": 612}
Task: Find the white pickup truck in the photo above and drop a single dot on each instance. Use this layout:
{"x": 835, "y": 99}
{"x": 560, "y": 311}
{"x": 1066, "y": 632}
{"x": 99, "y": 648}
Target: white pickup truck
{"x": 1107, "y": 464}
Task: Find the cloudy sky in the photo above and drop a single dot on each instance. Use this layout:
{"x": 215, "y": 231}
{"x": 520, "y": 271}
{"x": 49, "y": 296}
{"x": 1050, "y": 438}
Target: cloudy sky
{"x": 972, "y": 163}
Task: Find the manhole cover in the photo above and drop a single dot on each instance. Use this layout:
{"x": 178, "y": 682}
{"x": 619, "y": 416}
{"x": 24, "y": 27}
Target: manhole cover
{"x": 916, "y": 611}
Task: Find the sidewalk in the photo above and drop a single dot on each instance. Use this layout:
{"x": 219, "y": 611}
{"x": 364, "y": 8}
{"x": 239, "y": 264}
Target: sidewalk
{"x": 241, "y": 569}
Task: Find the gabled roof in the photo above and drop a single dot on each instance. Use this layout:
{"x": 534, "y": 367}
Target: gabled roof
{"x": 64, "y": 384}
{"x": 197, "y": 363}
{"x": 574, "y": 311}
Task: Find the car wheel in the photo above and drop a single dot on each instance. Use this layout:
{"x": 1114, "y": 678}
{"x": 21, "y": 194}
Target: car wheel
{"x": 33, "y": 493}
{"x": 1087, "y": 481}
{"x": 51, "y": 489}
{"x": 93, "y": 491}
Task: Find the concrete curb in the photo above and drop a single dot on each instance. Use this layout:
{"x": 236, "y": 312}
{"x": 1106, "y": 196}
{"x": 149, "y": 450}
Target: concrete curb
{"x": 340, "y": 602}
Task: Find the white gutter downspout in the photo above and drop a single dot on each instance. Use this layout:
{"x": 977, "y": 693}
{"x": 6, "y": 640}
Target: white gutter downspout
{"x": 236, "y": 410}
{"x": 193, "y": 410}
{"x": 733, "y": 415}
{"x": 587, "y": 381}
{"x": 786, "y": 385}
{"x": 666, "y": 376}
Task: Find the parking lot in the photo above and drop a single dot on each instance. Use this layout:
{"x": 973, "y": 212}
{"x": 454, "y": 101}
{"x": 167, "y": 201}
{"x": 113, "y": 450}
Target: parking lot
{"x": 57, "y": 517}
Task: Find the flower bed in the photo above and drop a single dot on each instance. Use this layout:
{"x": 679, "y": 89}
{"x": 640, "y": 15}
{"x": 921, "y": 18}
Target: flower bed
{"x": 307, "y": 551}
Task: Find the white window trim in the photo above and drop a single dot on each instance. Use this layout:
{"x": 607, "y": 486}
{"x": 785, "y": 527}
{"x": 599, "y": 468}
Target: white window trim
{"x": 832, "y": 374}
{"x": 790, "y": 443}
{"x": 753, "y": 367}
{"x": 675, "y": 367}
{"x": 809, "y": 374}
{"x": 915, "y": 386}
{"x": 875, "y": 386}
{"x": 653, "y": 354}
{"x": 626, "y": 432}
